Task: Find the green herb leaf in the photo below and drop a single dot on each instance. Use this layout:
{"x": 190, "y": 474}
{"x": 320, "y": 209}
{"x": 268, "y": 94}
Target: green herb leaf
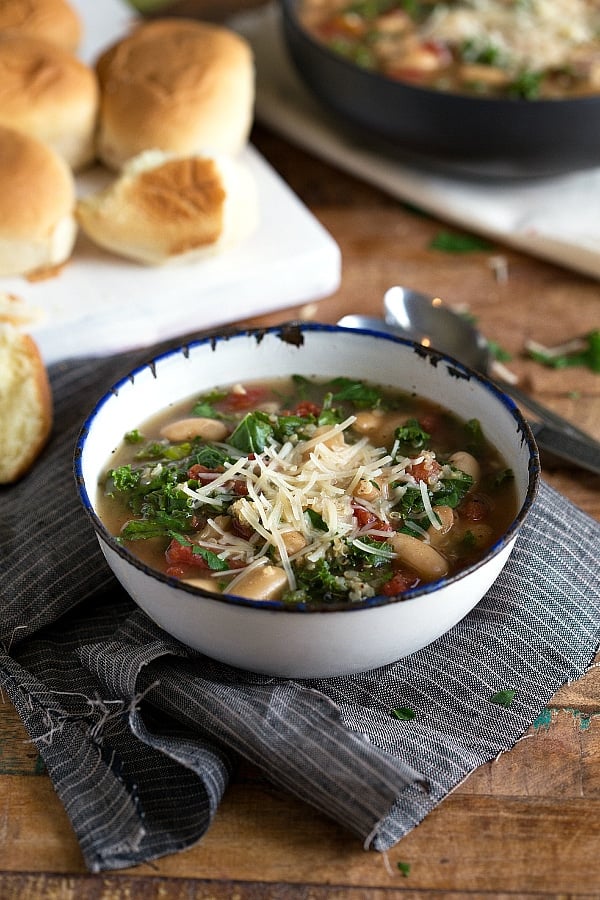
{"x": 404, "y": 868}
{"x": 124, "y": 478}
{"x": 498, "y": 352}
{"x": 404, "y": 713}
{"x": 356, "y": 392}
{"x": 315, "y": 519}
{"x": 134, "y": 437}
{"x": 526, "y": 85}
{"x": 589, "y": 357}
{"x": 253, "y": 433}
{"x": 411, "y": 436}
{"x": 214, "y": 562}
{"x": 205, "y": 410}
{"x": 503, "y": 698}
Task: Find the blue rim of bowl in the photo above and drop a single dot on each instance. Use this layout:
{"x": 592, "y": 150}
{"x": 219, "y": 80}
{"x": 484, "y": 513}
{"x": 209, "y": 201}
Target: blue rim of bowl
{"x": 436, "y": 358}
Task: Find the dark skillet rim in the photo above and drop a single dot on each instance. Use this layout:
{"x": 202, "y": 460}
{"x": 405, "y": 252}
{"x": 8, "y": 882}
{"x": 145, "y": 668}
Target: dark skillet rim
{"x": 544, "y": 104}
{"x": 435, "y": 357}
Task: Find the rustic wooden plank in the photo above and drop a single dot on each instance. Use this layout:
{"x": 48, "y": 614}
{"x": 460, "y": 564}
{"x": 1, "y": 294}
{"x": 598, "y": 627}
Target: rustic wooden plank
{"x": 50, "y": 887}
{"x": 542, "y": 795}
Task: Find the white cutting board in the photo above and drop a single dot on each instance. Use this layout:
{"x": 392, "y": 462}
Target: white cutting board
{"x": 99, "y": 303}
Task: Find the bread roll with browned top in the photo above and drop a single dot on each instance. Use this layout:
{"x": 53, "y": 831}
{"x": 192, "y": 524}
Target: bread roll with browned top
{"x": 52, "y": 20}
{"x": 37, "y": 201}
{"x": 176, "y": 85}
{"x": 25, "y": 403}
{"x": 48, "y": 93}
{"x": 165, "y": 208}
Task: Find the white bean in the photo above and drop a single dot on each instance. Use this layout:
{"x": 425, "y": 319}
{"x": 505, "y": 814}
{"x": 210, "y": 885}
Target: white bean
{"x": 478, "y": 533}
{"x": 366, "y": 490}
{"x": 445, "y": 514}
{"x": 421, "y": 557}
{"x": 380, "y": 427}
{"x": 337, "y": 440}
{"x": 489, "y": 75}
{"x": 264, "y": 583}
{"x": 467, "y": 463}
{"x": 293, "y": 541}
{"x": 212, "y": 532}
{"x": 186, "y": 429}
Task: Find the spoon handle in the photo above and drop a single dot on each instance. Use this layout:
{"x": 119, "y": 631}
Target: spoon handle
{"x": 545, "y": 415}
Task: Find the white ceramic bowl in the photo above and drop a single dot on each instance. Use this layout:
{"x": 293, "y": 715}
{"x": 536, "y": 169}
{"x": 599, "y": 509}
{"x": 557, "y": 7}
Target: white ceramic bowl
{"x": 266, "y": 636}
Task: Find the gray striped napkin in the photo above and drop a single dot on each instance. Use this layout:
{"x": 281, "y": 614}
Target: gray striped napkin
{"x": 141, "y": 735}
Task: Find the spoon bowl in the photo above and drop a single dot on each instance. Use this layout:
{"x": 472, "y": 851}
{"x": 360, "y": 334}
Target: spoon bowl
{"x": 427, "y": 321}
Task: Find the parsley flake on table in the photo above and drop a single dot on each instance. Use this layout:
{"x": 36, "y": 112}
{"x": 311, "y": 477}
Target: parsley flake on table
{"x": 403, "y": 868}
{"x": 503, "y": 698}
{"x": 583, "y": 351}
{"x": 451, "y": 242}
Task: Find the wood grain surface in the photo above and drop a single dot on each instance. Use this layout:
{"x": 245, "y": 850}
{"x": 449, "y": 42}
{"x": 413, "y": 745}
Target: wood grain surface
{"x": 524, "y": 825}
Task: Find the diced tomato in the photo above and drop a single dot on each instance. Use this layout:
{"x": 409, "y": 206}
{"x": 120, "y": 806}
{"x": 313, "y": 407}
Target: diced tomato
{"x": 249, "y": 399}
{"x": 475, "y": 509}
{"x": 365, "y": 518}
{"x": 197, "y": 471}
{"x": 425, "y": 470}
{"x": 175, "y": 571}
{"x": 178, "y": 554}
{"x": 306, "y": 408}
{"x": 399, "y": 582}
{"x": 429, "y": 422}
{"x": 240, "y": 487}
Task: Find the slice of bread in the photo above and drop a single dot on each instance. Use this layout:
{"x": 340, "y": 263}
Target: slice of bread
{"x": 25, "y": 403}
{"x": 164, "y": 208}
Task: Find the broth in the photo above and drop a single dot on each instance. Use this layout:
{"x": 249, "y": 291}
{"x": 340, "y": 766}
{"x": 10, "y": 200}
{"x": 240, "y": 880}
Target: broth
{"x": 307, "y": 491}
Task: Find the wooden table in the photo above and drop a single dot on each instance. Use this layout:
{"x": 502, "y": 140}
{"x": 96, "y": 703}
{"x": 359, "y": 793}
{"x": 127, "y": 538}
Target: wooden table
{"x": 524, "y": 825}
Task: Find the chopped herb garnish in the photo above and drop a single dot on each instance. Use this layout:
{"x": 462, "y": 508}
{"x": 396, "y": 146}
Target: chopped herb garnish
{"x": 503, "y": 698}
{"x": 403, "y": 868}
{"x": 585, "y": 352}
{"x": 205, "y": 410}
{"x": 411, "y": 436}
{"x": 526, "y": 86}
{"x": 134, "y": 437}
{"x": 450, "y": 242}
{"x": 502, "y": 477}
{"x": 469, "y": 540}
{"x": 498, "y": 352}
{"x": 404, "y": 713}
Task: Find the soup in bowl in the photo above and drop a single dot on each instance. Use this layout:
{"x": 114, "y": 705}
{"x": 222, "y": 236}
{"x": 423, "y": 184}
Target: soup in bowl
{"x": 309, "y": 500}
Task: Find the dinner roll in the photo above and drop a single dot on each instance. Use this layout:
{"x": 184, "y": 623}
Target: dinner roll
{"x": 37, "y": 200}
{"x": 176, "y": 85}
{"x": 25, "y": 403}
{"x": 165, "y": 208}
{"x": 52, "y": 20}
{"x": 50, "y": 94}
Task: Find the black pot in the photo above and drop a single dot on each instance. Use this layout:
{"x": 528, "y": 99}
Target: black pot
{"x": 464, "y": 134}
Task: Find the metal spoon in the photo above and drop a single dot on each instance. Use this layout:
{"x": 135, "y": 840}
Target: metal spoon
{"x": 428, "y": 321}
